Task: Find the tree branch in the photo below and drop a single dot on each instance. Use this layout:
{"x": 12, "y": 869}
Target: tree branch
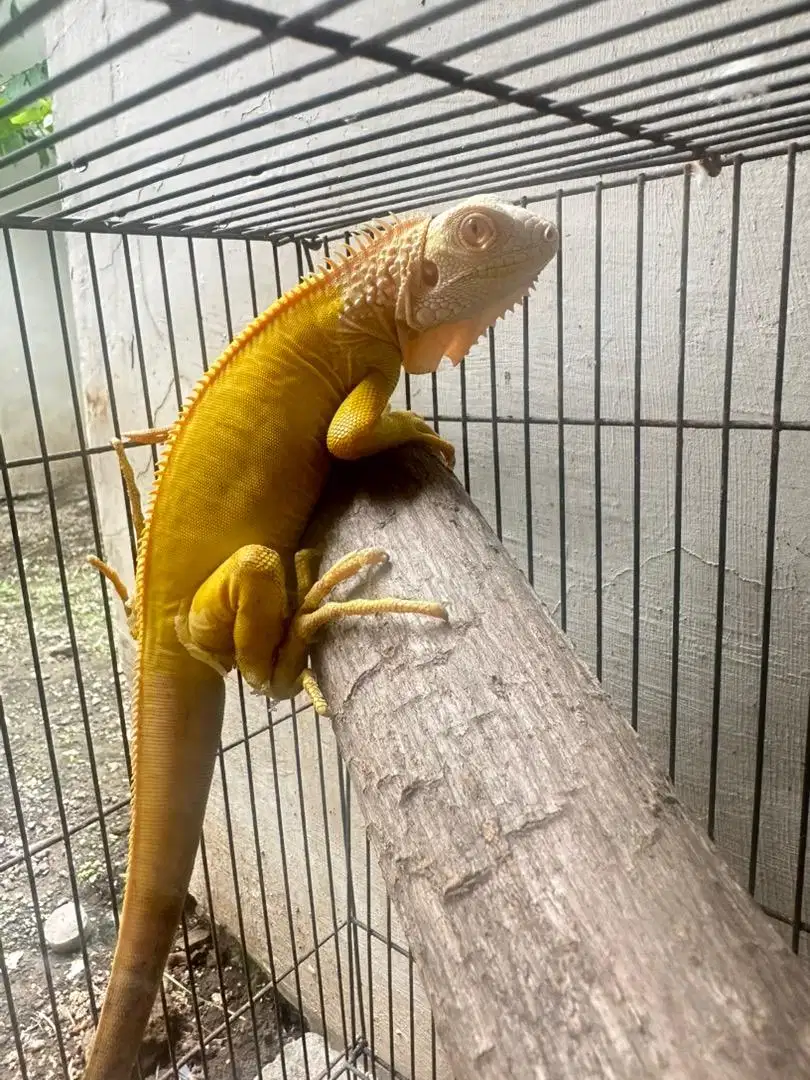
{"x": 567, "y": 918}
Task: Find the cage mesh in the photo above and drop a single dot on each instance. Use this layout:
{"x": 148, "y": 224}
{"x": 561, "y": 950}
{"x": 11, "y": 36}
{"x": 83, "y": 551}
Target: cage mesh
{"x": 210, "y": 189}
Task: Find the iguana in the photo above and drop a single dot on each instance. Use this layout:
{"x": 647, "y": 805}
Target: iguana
{"x": 239, "y": 476}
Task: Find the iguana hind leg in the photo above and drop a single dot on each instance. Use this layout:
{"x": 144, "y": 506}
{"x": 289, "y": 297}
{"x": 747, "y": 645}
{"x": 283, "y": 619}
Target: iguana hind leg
{"x": 240, "y": 617}
{"x": 133, "y": 494}
{"x": 150, "y": 437}
{"x": 134, "y": 499}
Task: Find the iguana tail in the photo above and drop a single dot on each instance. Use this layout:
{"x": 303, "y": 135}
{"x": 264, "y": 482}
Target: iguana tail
{"x": 177, "y": 730}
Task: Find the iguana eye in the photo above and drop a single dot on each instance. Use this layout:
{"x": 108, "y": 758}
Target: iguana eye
{"x": 477, "y": 231}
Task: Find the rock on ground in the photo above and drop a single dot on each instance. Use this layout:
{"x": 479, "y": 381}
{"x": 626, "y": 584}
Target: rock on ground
{"x": 61, "y": 929}
{"x": 294, "y": 1060}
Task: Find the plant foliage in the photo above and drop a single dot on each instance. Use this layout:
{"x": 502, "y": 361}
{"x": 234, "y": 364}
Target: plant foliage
{"x": 34, "y": 120}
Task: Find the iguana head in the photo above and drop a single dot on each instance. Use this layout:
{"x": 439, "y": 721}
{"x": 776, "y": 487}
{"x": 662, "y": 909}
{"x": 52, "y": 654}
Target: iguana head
{"x": 447, "y": 278}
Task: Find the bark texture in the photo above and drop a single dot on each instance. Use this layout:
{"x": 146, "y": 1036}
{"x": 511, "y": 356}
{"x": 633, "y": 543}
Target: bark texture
{"x": 567, "y": 918}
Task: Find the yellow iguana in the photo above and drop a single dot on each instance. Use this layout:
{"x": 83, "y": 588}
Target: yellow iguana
{"x": 241, "y": 472}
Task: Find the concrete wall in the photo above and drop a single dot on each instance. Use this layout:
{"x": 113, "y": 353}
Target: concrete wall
{"x": 166, "y": 338}
{"x": 32, "y": 262}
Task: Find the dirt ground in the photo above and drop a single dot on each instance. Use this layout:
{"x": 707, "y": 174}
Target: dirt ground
{"x": 53, "y": 1028}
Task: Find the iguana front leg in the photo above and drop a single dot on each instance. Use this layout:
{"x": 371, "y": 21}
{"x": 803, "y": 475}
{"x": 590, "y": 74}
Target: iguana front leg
{"x": 365, "y": 424}
{"x": 240, "y": 616}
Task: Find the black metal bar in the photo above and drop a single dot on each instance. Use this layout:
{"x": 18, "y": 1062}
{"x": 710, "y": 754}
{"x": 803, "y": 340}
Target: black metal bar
{"x": 506, "y": 150}
{"x": 709, "y": 63}
{"x": 330, "y": 877}
{"x": 192, "y": 985}
{"x": 661, "y": 423}
{"x": 268, "y": 988}
{"x": 313, "y": 919}
{"x": 496, "y": 455}
{"x": 136, "y": 329}
{"x": 560, "y": 414}
{"x": 167, "y": 304}
{"x": 286, "y": 880}
{"x": 801, "y": 854}
{"x": 465, "y": 427}
{"x": 390, "y": 956}
{"x": 108, "y": 379}
{"x": 171, "y": 122}
{"x": 12, "y": 1012}
{"x": 451, "y": 190}
{"x": 55, "y": 838}
{"x": 597, "y": 427}
{"x": 678, "y": 537}
{"x": 355, "y": 977}
{"x": 773, "y": 490}
{"x": 369, "y": 957}
{"x": 660, "y": 171}
{"x": 411, "y": 1017}
{"x": 722, "y": 29}
{"x": 527, "y": 443}
{"x": 240, "y": 919}
{"x": 638, "y": 354}
{"x": 265, "y": 209}
{"x": 415, "y": 181}
{"x": 400, "y": 950}
{"x": 23, "y": 832}
{"x": 155, "y": 90}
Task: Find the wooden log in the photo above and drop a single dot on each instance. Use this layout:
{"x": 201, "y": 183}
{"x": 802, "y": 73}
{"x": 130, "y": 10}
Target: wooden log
{"x": 568, "y": 919}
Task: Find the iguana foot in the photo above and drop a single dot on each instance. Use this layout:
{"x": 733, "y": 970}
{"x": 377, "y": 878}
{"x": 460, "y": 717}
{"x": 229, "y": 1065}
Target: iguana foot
{"x": 149, "y": 437}
{"x": 426, "y": 435}
{"x": 114, "y": 579}
{"x": 315, "y": 611}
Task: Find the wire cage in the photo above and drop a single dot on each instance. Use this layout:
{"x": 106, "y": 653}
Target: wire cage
{"x": 636, "y": 434}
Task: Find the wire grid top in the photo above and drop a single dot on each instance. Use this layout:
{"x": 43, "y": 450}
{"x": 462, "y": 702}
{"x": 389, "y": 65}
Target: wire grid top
{"x": 295, "y": 124}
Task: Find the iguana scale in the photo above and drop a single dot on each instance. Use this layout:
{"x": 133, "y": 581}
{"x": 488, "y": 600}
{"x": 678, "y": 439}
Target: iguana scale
{"x": 239, "y": 476}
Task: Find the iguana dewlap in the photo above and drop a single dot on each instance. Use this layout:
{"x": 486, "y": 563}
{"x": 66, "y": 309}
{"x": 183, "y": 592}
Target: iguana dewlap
{"x": 220, "y": 582}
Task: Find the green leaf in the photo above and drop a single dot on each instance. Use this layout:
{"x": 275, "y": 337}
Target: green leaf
{"x": 32, "y": 121}
{"x": 26, "y": 80}
{"x": 14, "y": 9}
{"x": 32, "y": 114}
{"x": 11, "y": 142}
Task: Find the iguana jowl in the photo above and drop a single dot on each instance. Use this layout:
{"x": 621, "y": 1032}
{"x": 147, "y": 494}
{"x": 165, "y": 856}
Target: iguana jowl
{"x": 240, "y": 474}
